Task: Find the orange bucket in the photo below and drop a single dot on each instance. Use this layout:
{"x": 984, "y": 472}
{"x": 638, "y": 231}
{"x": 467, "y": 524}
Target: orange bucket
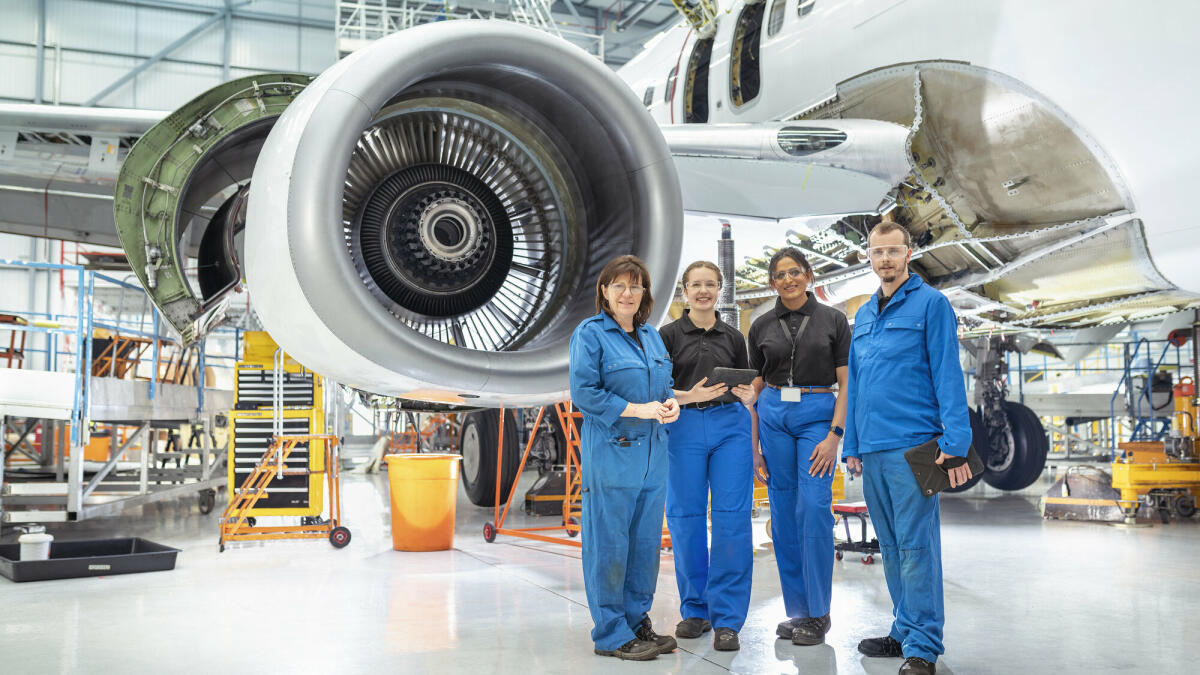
{"x": 423, "y": 490}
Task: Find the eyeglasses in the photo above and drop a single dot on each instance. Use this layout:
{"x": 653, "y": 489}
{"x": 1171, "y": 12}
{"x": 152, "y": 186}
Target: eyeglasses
{"x": 794, "y": 273}
{"x": 620, "y": 289}
{"x": 706, "y": 285}
{"x": 881, "y": 252}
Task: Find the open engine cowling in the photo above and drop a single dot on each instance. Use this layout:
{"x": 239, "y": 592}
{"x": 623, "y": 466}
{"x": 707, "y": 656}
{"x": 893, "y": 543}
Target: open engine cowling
{"x": 429, "y": 217}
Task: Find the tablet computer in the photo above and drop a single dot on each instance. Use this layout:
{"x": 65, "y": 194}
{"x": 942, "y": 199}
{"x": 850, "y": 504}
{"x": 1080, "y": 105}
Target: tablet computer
{"x": 732, "y": 377}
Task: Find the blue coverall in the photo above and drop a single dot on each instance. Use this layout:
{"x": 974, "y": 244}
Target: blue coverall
{"x": 801, "y": 519}
{"x": 906, "y": 387}
{"x": 710, "y": 450}
{"x": 624, "y": 471}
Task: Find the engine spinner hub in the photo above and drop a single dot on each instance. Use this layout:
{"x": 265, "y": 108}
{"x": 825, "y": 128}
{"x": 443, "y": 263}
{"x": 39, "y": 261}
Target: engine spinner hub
{"x": 450, "y": 229}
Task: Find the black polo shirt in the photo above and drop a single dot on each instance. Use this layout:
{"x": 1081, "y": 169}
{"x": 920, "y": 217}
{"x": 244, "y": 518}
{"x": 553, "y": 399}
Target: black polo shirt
{"x": 824, "y": 347}
{"x": 695, "y": 351}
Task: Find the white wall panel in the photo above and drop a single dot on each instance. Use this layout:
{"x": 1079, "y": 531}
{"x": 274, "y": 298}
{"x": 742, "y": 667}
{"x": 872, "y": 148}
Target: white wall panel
{"x": 18, "y": 20}
{"x": 19, "y": 68}
{"x": 265, "y": 46}
{"x": 89, "y": 25}
{"x": 318, "y": 49}
{"x": 157, "y": 28}
{"x": 85, "y": 75}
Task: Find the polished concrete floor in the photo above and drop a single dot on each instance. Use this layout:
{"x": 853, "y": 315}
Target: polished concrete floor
{"x": 1023, "y": 595}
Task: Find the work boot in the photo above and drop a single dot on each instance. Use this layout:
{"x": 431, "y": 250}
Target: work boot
{"x": 885, "y": 646}
{"x": 692, "y": 627}
{"x": 664, "y": 643}
{"x": 915, "y": 665}
{"x": 634, "y": 650}
{"x": 726, "y": 640}
{"x": 811, "y": 631}
{"x": 786, "y": 627}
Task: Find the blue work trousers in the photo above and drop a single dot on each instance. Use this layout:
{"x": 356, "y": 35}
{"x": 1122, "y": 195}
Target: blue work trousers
{"x": 908, "y": 525}
{"x": 710, "y": 451}
{"x": 622, "y": 537}
{"x": 801, "y": 519}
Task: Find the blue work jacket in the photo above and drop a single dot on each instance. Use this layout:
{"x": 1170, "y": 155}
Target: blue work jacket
{"x": 906, "y": 384}
{"x": 609, "y": 371}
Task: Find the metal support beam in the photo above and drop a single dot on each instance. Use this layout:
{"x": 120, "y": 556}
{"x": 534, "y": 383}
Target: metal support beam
{"x": 39, "y": 95}
{"x": 112, "y": 461}
{"x": 227, "y": 47}
{"x": 267, "y": 17}
{"x": 142, "y": 67}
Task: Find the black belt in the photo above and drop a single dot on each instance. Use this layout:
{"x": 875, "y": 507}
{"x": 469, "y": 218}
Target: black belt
{"x": 706, "y": 404}
{"x": 806, "y": 389}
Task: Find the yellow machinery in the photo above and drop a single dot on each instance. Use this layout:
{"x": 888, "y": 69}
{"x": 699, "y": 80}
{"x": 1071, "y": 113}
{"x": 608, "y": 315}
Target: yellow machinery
{"x": 299, "y": 492}
{"x": 1168, "y": 472}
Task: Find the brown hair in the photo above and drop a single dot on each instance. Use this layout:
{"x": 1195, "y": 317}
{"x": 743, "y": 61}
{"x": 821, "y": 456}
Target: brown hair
{"x": 788, "y": 252}
{"x": 702, "y": 264}
{"x": 632, "y": 267}
{"x": 885, "y": 226}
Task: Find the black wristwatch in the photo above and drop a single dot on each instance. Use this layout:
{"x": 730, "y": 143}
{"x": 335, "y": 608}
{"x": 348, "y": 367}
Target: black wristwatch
{"x": 837, "y": 431}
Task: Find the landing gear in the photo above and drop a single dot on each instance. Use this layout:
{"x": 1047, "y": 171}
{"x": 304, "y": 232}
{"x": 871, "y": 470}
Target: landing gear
{"x": 1022, "y": 465}
{"x": 477, "y": 442}
{"x": 1009, "y": 436}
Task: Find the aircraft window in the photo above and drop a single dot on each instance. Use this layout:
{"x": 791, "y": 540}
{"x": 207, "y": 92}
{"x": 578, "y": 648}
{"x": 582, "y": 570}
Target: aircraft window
{"x": 775, "y": 21}
{"x": 648, "y": 97}
{"x": 805, "y": 7}
{"x": 744, "y": 76}
{"x": 670, "y": 84}
{"x": 800, "y": 141}
{"x": 695, "y": 83}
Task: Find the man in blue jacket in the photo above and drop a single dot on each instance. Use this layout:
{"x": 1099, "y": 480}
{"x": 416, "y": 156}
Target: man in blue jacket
{"x": 906, "y": 387}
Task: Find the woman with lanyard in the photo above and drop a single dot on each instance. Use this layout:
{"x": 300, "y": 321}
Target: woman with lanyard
{"x": 800, "y": 350}
{"x": 710, "y": 450}
{"x": 621, "y": 382}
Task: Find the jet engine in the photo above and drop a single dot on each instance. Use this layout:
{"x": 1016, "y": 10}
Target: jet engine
{"x": 429, "y": 217}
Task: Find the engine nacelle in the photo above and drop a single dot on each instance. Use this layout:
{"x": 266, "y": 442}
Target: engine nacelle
{"x": 429, "y": 217}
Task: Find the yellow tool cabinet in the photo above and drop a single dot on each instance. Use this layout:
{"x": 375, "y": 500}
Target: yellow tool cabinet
{"x": 251, "y": 425}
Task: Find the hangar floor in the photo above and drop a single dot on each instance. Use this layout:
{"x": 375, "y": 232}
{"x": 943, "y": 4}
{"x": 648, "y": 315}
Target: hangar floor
{"x": 1022, "y": 595}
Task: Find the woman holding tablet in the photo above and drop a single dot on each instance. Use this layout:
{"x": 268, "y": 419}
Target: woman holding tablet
{"x": 709, "y": 450}
{"x": 800, "y": 349}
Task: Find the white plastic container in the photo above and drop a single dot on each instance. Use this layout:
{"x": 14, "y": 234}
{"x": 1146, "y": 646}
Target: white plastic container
{"x": 35, "y": 546}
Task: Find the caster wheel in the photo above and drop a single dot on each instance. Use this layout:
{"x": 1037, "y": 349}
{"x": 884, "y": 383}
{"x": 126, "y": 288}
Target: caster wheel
{"x": 868, "y": 559}
{"x": 1185, "y": 506}
{"x": 221, "y": 549}
{"x": 489, "y": 532}
{"x": 251, "y": 521}
{"x": 208, "y": 499}
{"x": 339, "y": 537}
{"x": 573, "y": 532}
{"x": 837, "y": 555}
{"x": 768, "y": 527}
{"x": 754, "y": 512}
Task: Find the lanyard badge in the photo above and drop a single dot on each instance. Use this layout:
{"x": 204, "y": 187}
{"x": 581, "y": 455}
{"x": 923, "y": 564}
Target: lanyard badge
{"x": 791, "y": 393}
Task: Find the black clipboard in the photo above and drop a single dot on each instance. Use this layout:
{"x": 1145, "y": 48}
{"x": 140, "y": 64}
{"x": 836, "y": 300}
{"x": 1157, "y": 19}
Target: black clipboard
{"x": 931, "y": 476}
{"x": 731, "y": 377}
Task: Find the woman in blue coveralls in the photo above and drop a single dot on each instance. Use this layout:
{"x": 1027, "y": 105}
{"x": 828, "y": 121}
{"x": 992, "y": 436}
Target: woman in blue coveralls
{"x": 710, "y": 450}
{"x": 800, "y": 349}
{"x": 621, "y": 382}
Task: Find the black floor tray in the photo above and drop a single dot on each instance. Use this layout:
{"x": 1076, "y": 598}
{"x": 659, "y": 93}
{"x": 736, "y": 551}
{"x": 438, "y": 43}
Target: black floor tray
{"x": 88, "y": 558}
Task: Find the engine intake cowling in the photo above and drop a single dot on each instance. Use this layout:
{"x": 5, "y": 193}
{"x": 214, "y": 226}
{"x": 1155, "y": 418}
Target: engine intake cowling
{"x": 429, "y": 217}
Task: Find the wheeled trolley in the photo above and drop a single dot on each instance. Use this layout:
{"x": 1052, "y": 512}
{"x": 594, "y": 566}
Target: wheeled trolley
{"x": 237, "y": 525}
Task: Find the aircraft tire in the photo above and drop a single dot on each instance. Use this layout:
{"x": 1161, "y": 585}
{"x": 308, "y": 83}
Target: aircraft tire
{"x": 477, "y": 438}
{"x": 1030, "y": 446}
